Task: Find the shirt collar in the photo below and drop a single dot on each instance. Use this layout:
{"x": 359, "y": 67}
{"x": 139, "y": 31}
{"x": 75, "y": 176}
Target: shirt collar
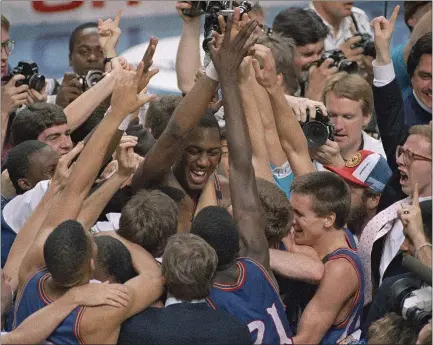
{"x": 421, "y": 104}
{"x": 172, "y": 300}
{"x": 344, "y": 25}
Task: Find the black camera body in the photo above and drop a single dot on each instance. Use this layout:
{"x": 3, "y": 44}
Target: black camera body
{"x": 32, "y": 78}
{"x": 367, "y": 43}
{"x": 212, "y": 10}
{"x": 409, "y": 298}
{"x": 90, "y": 79}
{"x": 317, "y": 130}
{"x": 340, "y": 61}
{"x": 196, "y": 10}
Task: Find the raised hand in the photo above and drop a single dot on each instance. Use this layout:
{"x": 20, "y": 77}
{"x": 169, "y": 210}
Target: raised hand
{"x": 64, "y": 166}
{"x": 267, "y": 75}
{"x": 14, "y": 97}
{"x": 109, "y": 34}
{"x": 95, "y": 294}
{"x": 301, "y": 105}
{"x": 125, "y": 99}
{"x": 148, "y": 61}
{"x": 127, "y": 160}
{"x": 246, "y": 70}
{"x": 184, "y": 5}
{"x": 229, "y": 55}
{"x": 317, "y": 79}
{"x": 383, "y": 29}
{"x": 410, "y": 216}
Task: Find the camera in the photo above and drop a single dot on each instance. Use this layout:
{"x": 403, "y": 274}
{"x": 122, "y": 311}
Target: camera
{"x": 90, "y": 79}
{"x": 340, "y": 61}
{"x": 30, "y": 71}
{"x": 196, "y": 10}
{"x": 317, "y": 130}
{"x": 412, "y": 300}
{"x": 367, "y": 43}
{"x": 212, "y": 10}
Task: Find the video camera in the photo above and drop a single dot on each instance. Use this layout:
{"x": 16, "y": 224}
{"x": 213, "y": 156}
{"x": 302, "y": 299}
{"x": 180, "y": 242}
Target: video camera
{"x": 212, "y": 9}
{"x": 30, "y": 71}
{"x": 90, "y": 79}
{"x": 367, "y": 43}
{"x": 340, "y": 61}
{"x": 319, "y": 130}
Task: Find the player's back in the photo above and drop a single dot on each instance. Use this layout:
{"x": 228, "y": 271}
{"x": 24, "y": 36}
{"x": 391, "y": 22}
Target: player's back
{"x": 183, "y": 323}
{"x": 33, "y": 297}
{"x": 254, "y": 300}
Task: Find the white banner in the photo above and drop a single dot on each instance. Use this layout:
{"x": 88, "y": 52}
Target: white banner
{"x": 33, "y": 12}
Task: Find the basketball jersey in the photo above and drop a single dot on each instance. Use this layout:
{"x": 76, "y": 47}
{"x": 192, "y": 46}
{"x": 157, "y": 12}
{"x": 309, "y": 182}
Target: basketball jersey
{"x": 254, "y": 300}
{"x": 33, "y": 298}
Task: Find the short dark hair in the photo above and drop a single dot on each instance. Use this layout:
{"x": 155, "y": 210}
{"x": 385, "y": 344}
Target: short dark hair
{"x": 188, "y": 267}
{"x": 208, "y": 120}
{"x": 67, "y": 251}
{"x": 18, "y": 161}
{"x": 30, "y": 122}
{"x": 114, "y": 259}
{"x": 304, "y": 26}
{"x": 278, "y": 214}
{"x": 77, "y": 30}
{"x": 5, "y": 23}
{"x": 329, "y": 194}
{"x": 159, "y": 113}
{"x": 283, "y": 51}
{"x": 149, "y": 219}
{"x": 421, "y": 47}
{"x": 216, "y": 226}
{"x": 145, "y": 139}
{"x": 409, "y": 9}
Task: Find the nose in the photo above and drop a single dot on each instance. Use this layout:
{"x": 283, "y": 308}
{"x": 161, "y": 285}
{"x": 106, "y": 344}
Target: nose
{"x": 203, "y": 161}
{"x": 400, "y": 159}
{"x": 66, "y": 143}
{"x": 338, "y": 123}
{"x": 4, "y": 55}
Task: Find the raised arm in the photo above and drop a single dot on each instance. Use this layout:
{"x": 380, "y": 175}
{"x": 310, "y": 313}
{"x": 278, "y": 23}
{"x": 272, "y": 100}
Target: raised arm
{"x": 247, "y": 208}
{"x": 95, "y": 203}
{"x": 289, "y": 131}
{"x": 247, "y": 82}
{"x": 124, "y": 100}
{"x": 188, "y": 52}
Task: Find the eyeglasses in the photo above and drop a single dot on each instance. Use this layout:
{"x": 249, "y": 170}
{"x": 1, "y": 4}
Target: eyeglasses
{"x": 8, "y": 46}
{"x": 265, "y": 29}
{"x": 409, "y": 156}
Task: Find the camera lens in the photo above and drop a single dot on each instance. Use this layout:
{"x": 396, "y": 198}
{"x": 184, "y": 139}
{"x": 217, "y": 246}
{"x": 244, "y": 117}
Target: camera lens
{"x": 348, "y": 66}
{"x": 93, "y": 77}
{"x": 419, "y": 316}
{"x": 316, "y": 133}
{"x": 37, "y": 82}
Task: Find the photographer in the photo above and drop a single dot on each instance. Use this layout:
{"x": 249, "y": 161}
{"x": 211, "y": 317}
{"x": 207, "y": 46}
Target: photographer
{"x": 13, "y": 96}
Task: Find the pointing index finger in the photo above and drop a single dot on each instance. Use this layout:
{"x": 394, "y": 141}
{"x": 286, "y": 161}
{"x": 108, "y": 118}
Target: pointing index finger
{"x": 394, "y": 15}
{"x": 117, "y": 18}
{"x": 415, "y": 197}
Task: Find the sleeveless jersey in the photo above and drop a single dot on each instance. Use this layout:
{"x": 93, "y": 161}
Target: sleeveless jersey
{"x": 254, "y": 300}
{"x": 33, "y": 298}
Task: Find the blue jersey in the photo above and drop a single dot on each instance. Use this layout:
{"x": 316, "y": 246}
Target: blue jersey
{"x": 254, "y": 300}
{"x": 341, "y": 329}
{"x": 33, "y": 298}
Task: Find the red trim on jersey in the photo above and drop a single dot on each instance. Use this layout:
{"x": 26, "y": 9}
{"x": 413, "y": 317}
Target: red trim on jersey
{"x": 343, "y": 322}
{"x": 42, "y": 294}
{"x": 77, "y": 323}
{"x": 241, "y": 280}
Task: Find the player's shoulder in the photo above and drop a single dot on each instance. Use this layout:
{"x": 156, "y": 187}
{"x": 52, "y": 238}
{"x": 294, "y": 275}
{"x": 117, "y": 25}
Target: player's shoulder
{"x": 340, "y": 267}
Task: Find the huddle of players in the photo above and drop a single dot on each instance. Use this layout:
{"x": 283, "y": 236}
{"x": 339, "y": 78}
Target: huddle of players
{"x": 218, "y": 278}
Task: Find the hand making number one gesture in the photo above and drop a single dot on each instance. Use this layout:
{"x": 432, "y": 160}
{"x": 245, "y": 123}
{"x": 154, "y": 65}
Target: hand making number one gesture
{"x": 383, "y": 29}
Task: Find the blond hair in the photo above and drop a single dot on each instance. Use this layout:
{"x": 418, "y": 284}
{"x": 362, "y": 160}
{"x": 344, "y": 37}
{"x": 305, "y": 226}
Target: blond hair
{"x": 353, "y": 87}
{"x": 423, "y": 130}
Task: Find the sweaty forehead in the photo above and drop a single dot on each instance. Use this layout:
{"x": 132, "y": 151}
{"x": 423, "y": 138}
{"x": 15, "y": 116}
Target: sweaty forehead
{"x": 205, "y": 138}
{"x": 87, "y": 36}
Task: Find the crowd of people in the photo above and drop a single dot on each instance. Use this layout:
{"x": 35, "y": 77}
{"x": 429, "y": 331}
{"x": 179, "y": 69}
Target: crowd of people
{"x": 278, "y": 200}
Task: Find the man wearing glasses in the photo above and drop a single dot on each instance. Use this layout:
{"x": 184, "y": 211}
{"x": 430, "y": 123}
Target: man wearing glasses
{"x": 12, "y": 97}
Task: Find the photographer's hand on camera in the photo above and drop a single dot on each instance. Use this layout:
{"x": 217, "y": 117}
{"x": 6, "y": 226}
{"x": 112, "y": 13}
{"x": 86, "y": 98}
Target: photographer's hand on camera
{"x": 301, "y": 106}
{"x": 109, "y": 34}
{"x": 328, "y": 154}
{"x": 352, "y": 54}
{"x": 184, "y": 5}
{"x": 317, "y": 78}
{"x": 34, "y": 96}
{"x": 69, "y": 90}
{"x": 383, "y": 29}
{"x": 14, "y": 97}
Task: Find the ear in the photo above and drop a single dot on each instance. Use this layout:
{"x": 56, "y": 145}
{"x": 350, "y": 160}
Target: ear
{"x": 329, "y": 221}
{"x": 366, "y": 120}
{"x": 70, "y": 59}
{"x": 280, "y": 79}
{"x": 24, "y": 184}
{"x": 411, "y": 22}
{"x": 372, "y": 202}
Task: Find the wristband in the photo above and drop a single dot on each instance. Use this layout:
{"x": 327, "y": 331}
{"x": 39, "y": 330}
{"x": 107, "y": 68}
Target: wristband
{"x": 125, "y": 123}
{"x": 211, "y": 71}
{"x": 421, "y": 247}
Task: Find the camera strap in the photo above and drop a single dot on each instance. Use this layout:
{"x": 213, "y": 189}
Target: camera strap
{"x": 354, "y": 22}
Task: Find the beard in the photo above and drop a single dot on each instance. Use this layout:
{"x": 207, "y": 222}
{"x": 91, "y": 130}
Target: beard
{"x": 356, "y": 220}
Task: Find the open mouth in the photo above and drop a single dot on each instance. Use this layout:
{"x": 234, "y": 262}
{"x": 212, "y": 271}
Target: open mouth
{"x": 198, "y": 176}
{"x": 403, "y": 178}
